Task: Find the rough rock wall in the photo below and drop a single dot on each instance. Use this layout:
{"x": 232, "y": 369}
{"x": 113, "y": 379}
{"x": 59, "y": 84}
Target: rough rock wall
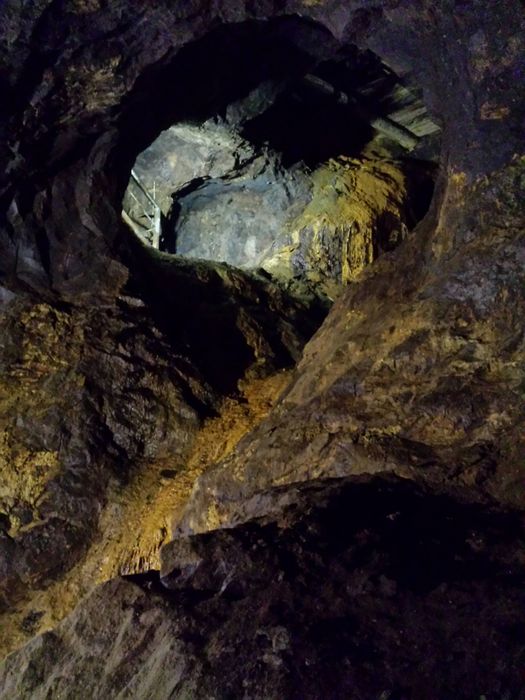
{"x": 417, "y": 373}
{"x": 230, "y": 201}
{"x": 77, "y": 399}
{"x": 94, "y": 398}
{"x": 187, "y": 152}
{"x": 358, "y": 210}
{"x": 359, "y": 591}
{"x": 294, "y": 179}
{"x": 241, "y": 218}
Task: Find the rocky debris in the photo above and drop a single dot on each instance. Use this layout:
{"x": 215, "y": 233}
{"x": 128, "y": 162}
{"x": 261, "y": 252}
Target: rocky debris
{"x": 358, "y": 590}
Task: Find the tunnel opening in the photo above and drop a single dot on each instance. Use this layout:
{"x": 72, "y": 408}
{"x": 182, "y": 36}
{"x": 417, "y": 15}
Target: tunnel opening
{"x": 257, "y": 185}
{"x": 289, "y": 154}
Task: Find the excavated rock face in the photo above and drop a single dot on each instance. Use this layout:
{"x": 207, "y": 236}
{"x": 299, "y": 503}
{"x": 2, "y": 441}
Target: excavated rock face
{"x": 92, "y": 395}
{"x": 436, "y": 397}
{"x": 406, "y": 409}
{"x": 310, "y": 176}
{"x": 363, "y": 591}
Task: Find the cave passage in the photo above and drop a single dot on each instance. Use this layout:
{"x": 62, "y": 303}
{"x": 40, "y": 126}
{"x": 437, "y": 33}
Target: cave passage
{"x": 287, "y": 152}
{"x": 313, "y": 500}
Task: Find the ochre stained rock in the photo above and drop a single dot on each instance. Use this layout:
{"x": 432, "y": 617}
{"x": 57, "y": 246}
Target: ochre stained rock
{"x": 139, "y": 513}
{"x": 357, "y": 208}
{"x": 357, "y": 591}
{"x": 418, "y": 371}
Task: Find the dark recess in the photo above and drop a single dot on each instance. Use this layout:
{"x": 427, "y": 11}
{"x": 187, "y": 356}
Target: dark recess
{"x": 380, "y": 586}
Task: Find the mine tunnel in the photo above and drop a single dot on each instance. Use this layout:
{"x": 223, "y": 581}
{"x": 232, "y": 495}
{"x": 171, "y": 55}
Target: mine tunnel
{"x": 298, "y": 156}
{"x": 262, "y": 350}
{"x": 290, "y": 158}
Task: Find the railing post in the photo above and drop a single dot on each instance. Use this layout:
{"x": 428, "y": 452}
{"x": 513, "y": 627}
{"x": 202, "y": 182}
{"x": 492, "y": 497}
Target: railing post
{"x": 156, "y": 228}
{"x": 154, "y": 216}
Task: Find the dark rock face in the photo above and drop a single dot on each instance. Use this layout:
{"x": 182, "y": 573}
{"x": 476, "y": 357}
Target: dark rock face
{"x": 80, "y": 406}
{"x": 89, "y": 393}
{"x": 409, "y": 397}
{"x": 359, "y": 590}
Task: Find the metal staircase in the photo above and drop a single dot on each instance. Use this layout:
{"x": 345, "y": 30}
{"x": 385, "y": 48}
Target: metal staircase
{"x": 141, "y": 211}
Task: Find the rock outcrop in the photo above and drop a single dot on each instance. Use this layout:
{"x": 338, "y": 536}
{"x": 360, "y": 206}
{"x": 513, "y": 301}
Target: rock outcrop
{"x": 94, "y": 397}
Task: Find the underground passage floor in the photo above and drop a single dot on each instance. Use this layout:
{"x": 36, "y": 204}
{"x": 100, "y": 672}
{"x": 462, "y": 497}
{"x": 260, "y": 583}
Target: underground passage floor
{"x": 262, "y": 350}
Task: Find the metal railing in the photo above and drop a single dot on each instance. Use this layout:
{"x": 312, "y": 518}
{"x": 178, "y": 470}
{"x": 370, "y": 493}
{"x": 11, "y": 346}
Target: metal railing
{"x": 142, "y": 212}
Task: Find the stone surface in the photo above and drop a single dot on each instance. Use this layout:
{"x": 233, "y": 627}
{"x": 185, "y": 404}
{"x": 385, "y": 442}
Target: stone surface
{"x": 321, "y": 227}
{"x": 92, "y": 396}
{"x": 417, "y": 371}
{"x": 242, "y": 218}
{"x": 135, "y": 517}
{"x": 77, "y": 409}
{"x": 291, "y": 180}
{"x": 112, "y": 356}
{"x": 187, "y": 152}
{"x": 370, "y": 590}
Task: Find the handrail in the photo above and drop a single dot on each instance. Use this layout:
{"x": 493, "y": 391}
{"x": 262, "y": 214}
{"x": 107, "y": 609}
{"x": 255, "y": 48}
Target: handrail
{"x": 152, "y": 232}
{"x": 135, "y": 177}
